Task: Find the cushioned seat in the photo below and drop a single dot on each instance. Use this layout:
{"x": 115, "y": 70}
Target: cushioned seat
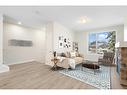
{"x": 78, "y": 60}
{"x": 65, "y": 63}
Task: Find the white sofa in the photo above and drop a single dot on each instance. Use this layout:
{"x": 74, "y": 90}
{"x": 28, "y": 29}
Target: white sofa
{"x": 65, "y": 60}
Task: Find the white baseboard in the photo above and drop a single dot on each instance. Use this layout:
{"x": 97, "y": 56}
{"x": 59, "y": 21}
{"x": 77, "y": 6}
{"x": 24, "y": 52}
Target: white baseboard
{"x": 49, "y": 64}
{"x": 21, "y": 62}
{"x": 4, "y": 68}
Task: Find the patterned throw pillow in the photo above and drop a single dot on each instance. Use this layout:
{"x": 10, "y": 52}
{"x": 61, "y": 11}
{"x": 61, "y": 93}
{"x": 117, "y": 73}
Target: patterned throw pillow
{"x": 73, "y": 54}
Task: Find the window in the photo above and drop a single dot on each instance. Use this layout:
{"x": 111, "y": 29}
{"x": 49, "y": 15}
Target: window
{"x": 92, "y": 43}
{"x": 101, "y": 42}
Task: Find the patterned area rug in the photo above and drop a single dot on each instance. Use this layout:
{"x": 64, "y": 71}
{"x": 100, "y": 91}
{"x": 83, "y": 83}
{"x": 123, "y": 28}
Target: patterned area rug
{"x": 100, "y": 79}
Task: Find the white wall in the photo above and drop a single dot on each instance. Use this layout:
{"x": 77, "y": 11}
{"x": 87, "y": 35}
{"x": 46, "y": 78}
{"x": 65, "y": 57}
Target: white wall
{"x": 49, "y": 43}
{"x": 82, "y": 39}
{"x": 3, "y": 67}
{"x": 15, "y": 54}
{"x": 1, "y": 39}
{"x": 53, "y": 31}
{"x": 60, "y": 30}
{"x": 125, "y": 29}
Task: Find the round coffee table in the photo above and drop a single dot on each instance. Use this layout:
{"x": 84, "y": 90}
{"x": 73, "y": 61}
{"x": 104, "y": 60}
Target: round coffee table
{"x": 91, "y": 65}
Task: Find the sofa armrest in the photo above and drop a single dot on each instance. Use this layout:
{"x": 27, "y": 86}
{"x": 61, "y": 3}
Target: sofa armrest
{"x": 64, "y": 63}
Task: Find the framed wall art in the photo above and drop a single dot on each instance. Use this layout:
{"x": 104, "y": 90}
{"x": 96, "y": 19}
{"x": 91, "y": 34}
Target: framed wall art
{"x": 20, "y": 43}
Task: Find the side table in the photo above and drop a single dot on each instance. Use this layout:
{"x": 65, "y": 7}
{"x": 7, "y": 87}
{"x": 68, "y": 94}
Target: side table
{"x": 55, "y": 61}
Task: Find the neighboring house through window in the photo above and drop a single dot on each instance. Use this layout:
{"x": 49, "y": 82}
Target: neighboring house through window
{"x": 101, "y": 42}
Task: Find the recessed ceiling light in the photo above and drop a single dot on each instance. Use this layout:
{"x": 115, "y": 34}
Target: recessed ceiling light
{"x": 19, "y": 22}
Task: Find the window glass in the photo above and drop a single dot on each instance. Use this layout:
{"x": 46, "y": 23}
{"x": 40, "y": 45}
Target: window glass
{"x": 102, "y": 42}
{"x": 92, "y": 43}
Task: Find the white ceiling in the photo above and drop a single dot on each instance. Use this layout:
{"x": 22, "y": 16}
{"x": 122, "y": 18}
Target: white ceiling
{"x": 36, "y": 17}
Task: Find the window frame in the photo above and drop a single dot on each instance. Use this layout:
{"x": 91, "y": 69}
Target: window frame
{"x": 88, "y": 52}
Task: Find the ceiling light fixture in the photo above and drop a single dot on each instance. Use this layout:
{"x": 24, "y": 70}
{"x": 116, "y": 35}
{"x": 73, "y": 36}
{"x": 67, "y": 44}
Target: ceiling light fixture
{"x": 82, "y": 20}
{"x": 19, "y": 22}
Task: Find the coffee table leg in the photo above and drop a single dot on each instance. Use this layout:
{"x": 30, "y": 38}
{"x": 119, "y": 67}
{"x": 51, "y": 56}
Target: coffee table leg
{"x": 82, "y": 67}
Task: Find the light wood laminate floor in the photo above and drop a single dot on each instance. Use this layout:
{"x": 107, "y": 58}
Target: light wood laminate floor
{"x": 36, "y": 75}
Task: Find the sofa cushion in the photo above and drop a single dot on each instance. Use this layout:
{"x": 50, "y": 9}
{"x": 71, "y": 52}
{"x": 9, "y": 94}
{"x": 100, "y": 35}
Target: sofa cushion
{"x": 78, "y": 60}
{"x": 63, "y": 55}
{"x": 67, "y": 54}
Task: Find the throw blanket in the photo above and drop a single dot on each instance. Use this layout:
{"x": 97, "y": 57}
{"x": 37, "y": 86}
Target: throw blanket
{"x": 72, "y": 63}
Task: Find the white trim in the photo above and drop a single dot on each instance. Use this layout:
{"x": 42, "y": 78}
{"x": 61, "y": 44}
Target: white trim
{"x": 21, "y": 62}
{"x": 4, "y": 68}
{"x": 121, "y": 44}
{"x": 1, "y": 38}
{"x": 96, "y": 37}
{"x": 49, "y": 64}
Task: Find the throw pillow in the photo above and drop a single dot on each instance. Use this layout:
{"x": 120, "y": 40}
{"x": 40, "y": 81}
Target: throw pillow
{"x": 73, "y": 54}
{"x": 67, "y": 54}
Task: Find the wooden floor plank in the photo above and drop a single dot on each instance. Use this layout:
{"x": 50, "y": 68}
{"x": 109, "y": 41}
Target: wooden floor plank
{"x": 36, "y": 75}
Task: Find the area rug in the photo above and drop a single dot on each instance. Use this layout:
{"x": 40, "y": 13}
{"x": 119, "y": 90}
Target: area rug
{"x": 100, "y": 79}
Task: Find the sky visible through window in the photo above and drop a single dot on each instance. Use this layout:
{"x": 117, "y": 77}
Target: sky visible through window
{"x": 92, "y": 37}
{"x": 101, "y": 37}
